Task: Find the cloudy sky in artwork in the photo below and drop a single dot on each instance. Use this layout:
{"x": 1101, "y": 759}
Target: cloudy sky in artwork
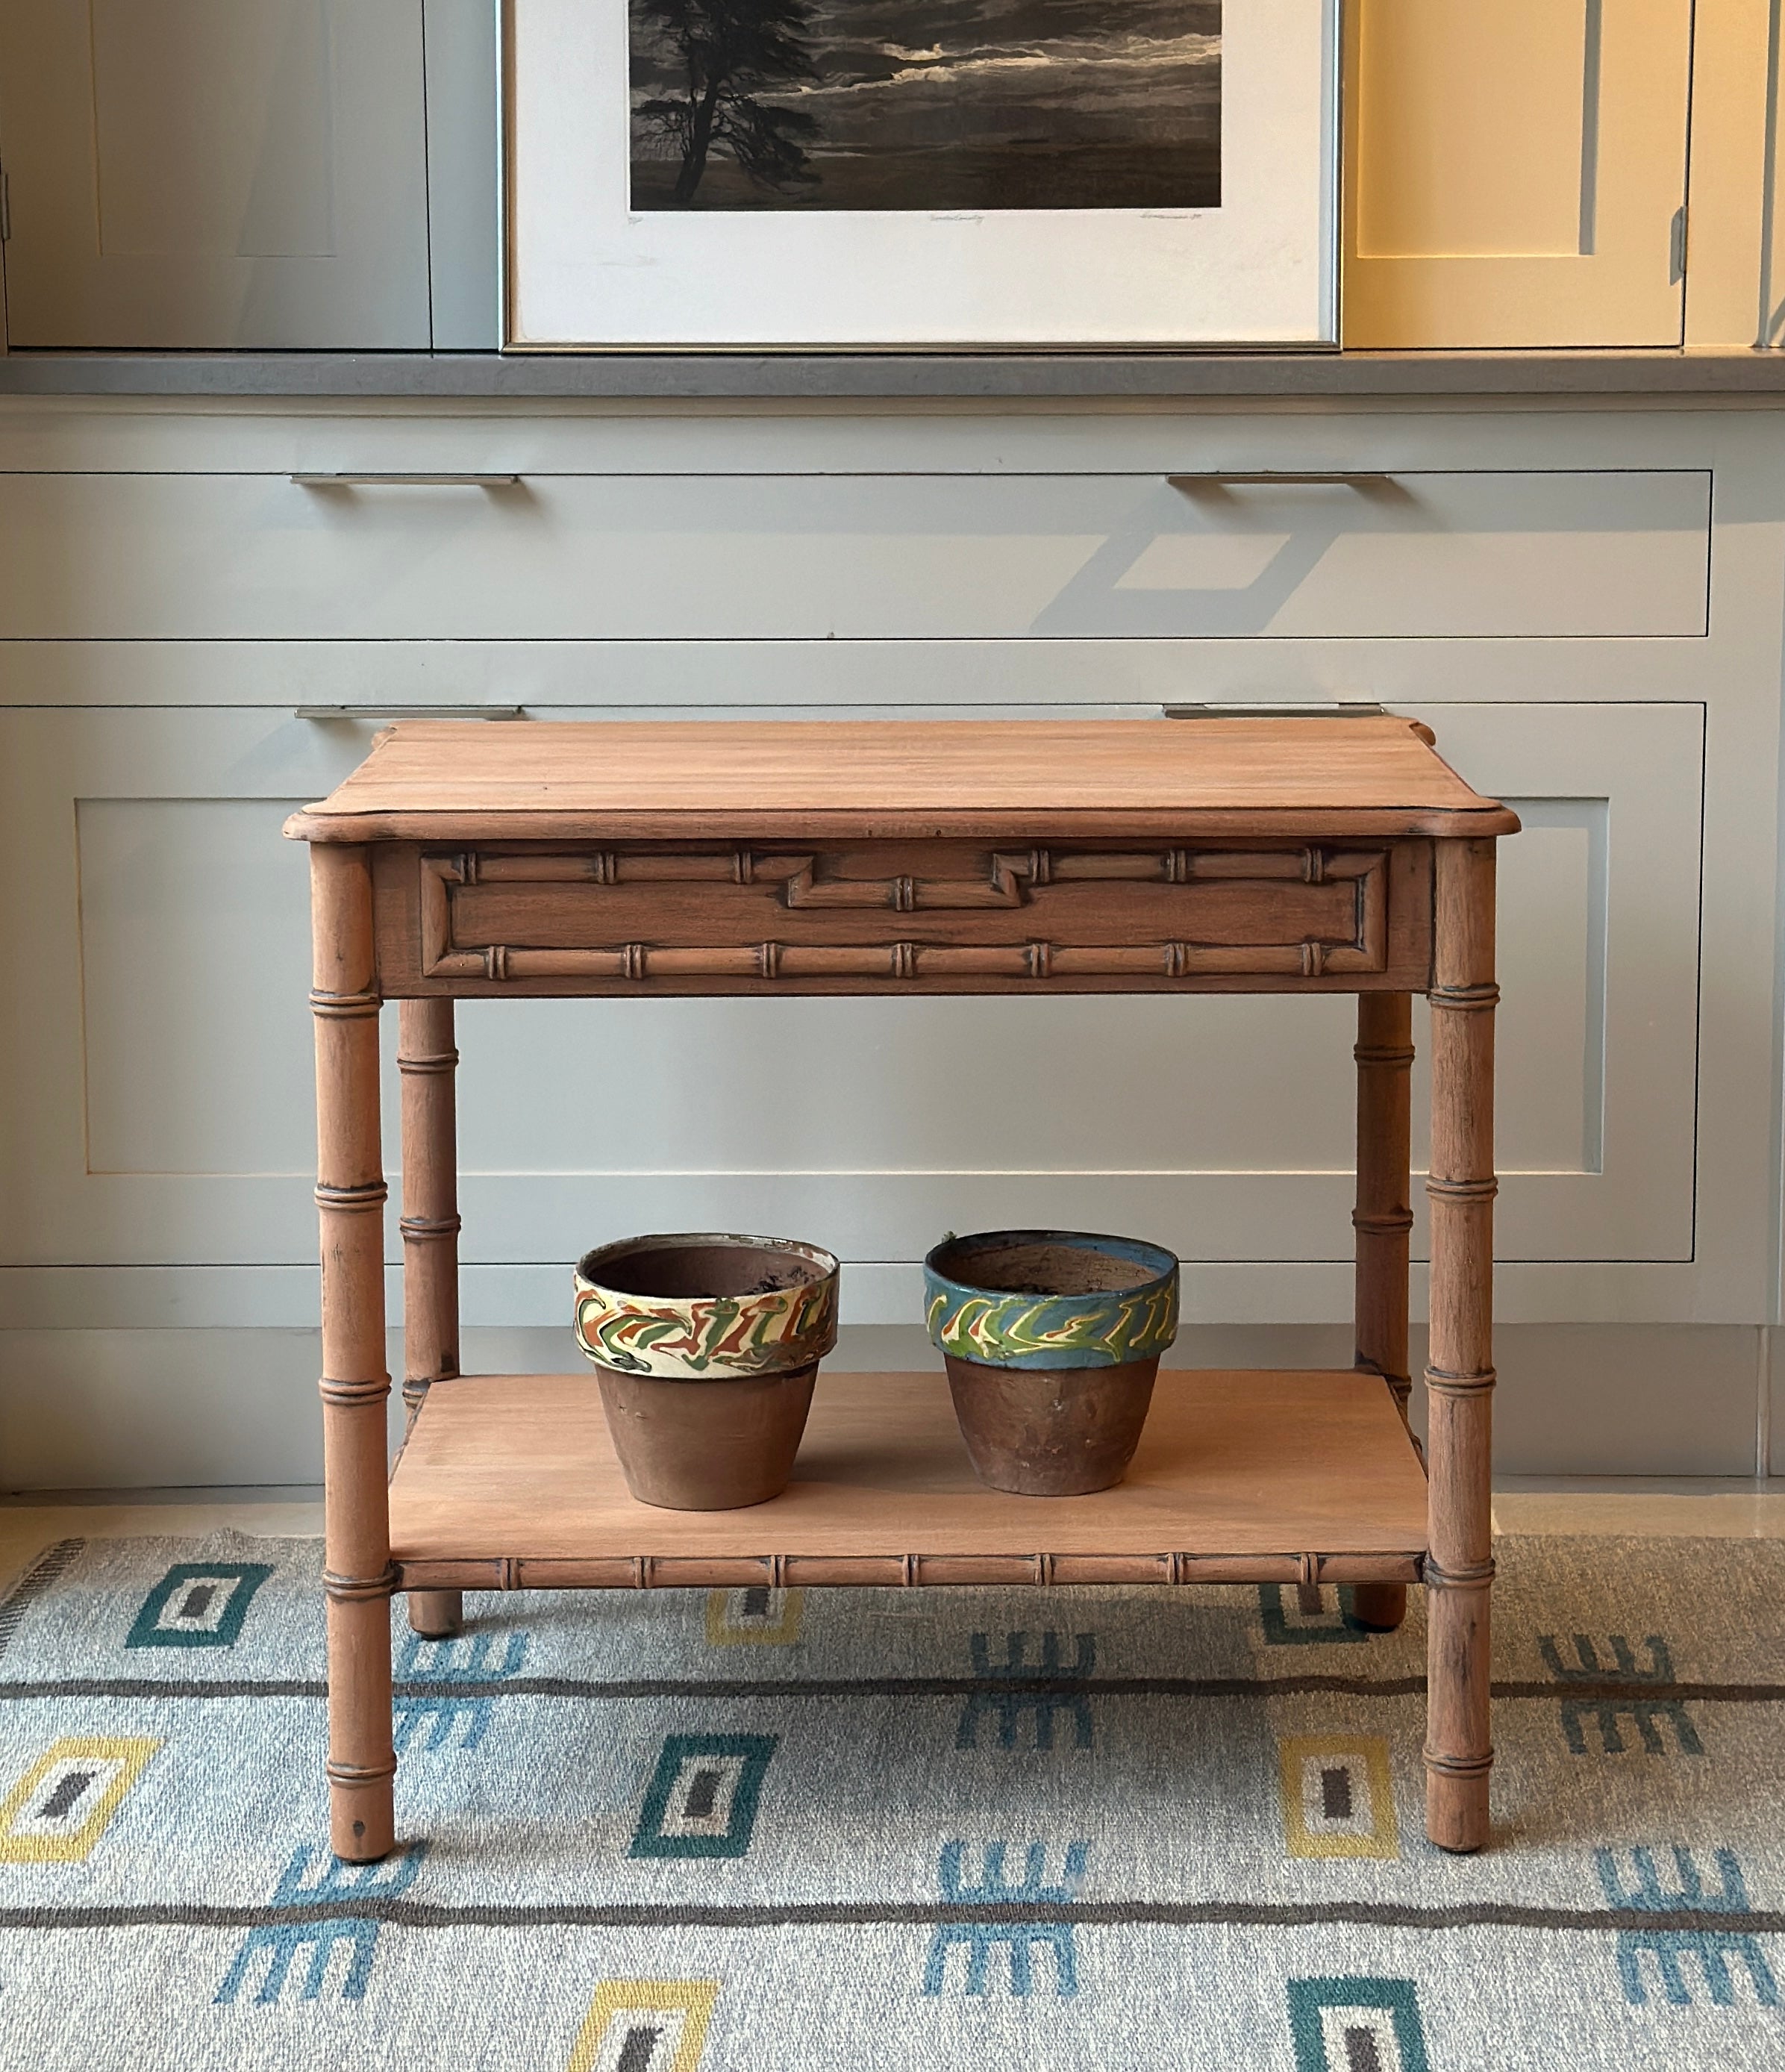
{"x": 983, "y": 72}
{"x": 963, "y": 103}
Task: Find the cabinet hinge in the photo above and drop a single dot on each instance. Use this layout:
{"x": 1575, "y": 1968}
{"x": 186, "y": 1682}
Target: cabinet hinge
{"x": 6, "y": 205}
{"x": 1676, "y": 246}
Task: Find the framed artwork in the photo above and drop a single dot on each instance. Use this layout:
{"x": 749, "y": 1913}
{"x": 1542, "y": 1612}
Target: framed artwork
{"x": 919, "y": 173}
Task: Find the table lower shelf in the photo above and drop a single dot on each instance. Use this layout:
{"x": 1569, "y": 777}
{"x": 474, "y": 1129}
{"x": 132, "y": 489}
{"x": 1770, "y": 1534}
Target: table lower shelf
{"x": 509, "y": 1482}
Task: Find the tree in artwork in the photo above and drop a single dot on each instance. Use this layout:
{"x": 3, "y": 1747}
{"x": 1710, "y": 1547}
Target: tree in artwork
{"x": 725, "y": 54}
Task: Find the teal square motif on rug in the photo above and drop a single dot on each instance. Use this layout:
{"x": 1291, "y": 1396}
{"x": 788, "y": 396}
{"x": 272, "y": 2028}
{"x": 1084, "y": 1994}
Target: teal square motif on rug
{"x": 702, "y": 1799}
{"x": 198, "y": 1603}
{"x": 1356, "y": 2026}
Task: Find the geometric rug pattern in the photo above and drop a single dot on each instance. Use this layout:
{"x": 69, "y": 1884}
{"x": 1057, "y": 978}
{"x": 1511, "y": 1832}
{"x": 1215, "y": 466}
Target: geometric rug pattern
{"x": 709, "y": 1830}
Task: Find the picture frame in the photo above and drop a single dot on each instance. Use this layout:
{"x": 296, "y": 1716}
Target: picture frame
{"x": 726, "y": 175}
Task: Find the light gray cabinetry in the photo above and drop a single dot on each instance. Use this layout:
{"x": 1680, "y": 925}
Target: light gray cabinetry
{"x": 249, "y": 173}
{"x": 1586, "y": 609}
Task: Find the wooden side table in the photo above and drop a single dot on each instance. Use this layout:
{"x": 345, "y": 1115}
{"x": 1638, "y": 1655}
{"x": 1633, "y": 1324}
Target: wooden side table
{"x": 464, "y": 860}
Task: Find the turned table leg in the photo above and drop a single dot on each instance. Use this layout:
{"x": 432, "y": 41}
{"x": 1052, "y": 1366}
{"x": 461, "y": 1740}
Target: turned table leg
{"x": 1383, "y": 1221}
{"x": 350, "y": 1196}
{"x": 1459, "y": 1380}
{"x": 427, "y": 1060}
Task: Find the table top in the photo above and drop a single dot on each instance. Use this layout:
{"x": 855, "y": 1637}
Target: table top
{"x": 880, "y": 780}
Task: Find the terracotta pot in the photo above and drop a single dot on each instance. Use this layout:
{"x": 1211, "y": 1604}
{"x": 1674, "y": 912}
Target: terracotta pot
{"x": 707, "y": 1346}
{"x": 1061, "y": 1431}
{"x": 707, "y": 1445}
{"x": 1052, "y": 1339}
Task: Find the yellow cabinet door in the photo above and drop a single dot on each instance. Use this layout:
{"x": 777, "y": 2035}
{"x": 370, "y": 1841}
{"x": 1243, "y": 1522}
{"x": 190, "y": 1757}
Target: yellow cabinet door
{"x": 1516, "y": 173}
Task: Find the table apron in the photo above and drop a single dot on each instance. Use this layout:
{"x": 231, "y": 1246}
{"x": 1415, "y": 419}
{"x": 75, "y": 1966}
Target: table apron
{"x": 507, "y": 920}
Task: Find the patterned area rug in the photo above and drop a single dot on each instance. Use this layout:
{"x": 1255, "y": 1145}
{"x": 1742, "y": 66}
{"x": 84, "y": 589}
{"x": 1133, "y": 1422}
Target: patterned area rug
{"x": 764, "y": 1830}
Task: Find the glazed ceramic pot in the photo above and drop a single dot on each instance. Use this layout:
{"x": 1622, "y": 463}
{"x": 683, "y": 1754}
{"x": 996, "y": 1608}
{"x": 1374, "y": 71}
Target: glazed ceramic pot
{"x": 707, "y": 1346}
{"x": 1052, "y": 1340}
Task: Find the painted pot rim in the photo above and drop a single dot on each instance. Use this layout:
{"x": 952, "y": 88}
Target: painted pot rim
{"x": 1002, "y": 1328}
{"x": 706, "y": 1338}
{"x": 623, "y": 1247}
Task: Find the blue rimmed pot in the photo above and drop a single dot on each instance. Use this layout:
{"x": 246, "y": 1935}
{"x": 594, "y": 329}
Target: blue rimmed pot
{"x": 1052, "y": 1340}
{"x": 707, "y": 1345}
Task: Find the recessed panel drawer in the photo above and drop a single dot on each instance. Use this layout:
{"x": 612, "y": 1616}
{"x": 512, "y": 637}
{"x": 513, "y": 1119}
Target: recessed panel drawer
{"x": 854, "y": 556}
{"x": 943, "y": 917}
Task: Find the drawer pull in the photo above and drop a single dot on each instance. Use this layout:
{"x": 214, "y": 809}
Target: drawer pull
{"x": 1004, "y": 885}
{"x": 1342, "y": 477}
{"x": 408, "y": 712}
{"x": 358, "y": 480}
{"x": 1331, "y": 709}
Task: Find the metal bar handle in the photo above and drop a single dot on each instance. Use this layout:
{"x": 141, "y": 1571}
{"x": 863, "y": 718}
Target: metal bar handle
{"x": 358, "y": 479}
{"x": 376, "y": 711}
{"x": 1344, "y": 478}
{"x": 1288, "y": 709}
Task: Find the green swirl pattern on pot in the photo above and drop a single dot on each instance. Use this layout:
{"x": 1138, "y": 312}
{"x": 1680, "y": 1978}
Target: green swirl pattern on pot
{"x": 1050, "y": 1298}
{"x": 764, "y": 1305}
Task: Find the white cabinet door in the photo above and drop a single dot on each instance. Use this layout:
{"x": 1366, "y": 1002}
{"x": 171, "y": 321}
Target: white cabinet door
{"x": 219, "y": 172}
{"x": 155, "y": 1073}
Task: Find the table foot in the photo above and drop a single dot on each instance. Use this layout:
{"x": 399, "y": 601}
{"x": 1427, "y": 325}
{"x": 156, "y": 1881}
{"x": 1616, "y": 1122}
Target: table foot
{"x": 1456, "y": 1810}
{"x": 1459, "y": 1750}
{"x": 362, "y": 1761}
{"x": 437, "y": 1615}
{"x": 362, "y": 1815}
{"x": 1380, "y": 1606}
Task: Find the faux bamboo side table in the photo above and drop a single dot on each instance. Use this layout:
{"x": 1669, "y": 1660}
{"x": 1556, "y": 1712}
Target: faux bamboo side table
{"x": 464, "y": 860}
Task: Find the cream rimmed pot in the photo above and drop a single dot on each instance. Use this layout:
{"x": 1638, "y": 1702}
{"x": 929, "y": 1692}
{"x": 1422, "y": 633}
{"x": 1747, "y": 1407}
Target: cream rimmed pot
{"x": 706, "y": 1305}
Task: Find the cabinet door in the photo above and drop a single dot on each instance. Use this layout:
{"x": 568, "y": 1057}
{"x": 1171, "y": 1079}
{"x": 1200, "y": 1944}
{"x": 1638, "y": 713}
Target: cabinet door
{"x": 156, "y": 1089}
{"x": 216, "y": 173}
{"x": 1514, "y": 172}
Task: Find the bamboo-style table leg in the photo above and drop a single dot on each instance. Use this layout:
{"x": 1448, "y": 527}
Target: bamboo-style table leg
{"x": 356, "y": 1387}
{"x": 1383, "y": 1221}
{"x": 1459, "y": 1568}
{"x": 427, "y": 1060}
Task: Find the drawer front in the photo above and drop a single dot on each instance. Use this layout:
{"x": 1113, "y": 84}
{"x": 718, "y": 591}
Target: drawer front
{"x": 902, "y": 917}
{"x": 859, "y": 556}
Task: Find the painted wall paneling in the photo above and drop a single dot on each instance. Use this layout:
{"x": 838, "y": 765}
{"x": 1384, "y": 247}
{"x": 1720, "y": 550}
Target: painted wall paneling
{"x": 553, "y": 556}
{"x": 1513, "y": 172}
{"x": 223, "y": 173}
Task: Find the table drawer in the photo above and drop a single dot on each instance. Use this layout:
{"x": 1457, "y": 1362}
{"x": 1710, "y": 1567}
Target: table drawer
{"x": 902, "y": 917}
